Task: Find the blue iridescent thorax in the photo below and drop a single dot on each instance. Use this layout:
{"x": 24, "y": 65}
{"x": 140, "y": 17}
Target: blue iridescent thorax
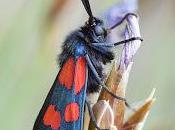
{"x": 80, "y": 50}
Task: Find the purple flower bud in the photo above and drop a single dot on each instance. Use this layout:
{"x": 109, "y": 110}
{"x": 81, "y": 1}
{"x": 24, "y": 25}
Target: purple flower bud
{"x": 117, "y": 12}
{"x": 114, "y": 15}
{"x": 130, "y": 48}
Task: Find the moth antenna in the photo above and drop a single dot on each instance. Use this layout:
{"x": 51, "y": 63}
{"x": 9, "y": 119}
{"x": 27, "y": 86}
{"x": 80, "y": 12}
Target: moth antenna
{"x": 88, "y": 8}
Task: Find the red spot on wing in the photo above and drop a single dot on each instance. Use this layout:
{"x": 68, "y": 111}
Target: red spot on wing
{"x": 52, "y": 117}
{"x": 71, "y": 112}
{"x": 66, "y": 75}
{"x": 80, "y": 74}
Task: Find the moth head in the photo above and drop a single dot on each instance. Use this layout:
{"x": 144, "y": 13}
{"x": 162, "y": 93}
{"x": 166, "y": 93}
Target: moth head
{"x": 94, "y": 27}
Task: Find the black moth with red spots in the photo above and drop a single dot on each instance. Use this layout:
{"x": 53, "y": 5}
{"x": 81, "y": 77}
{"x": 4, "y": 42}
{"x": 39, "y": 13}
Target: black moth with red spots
{"x": 84, "y": 53}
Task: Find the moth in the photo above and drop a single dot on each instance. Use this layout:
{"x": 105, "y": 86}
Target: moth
{"x": 84, "y": 52}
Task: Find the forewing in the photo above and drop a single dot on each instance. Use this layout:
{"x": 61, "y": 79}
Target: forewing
{"x": 64, "y": 106}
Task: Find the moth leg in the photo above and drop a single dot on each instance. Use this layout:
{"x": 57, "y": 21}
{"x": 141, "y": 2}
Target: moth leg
{"x": 92, "y": 115}
{"x": 91, "y": 66}
{"x": 117, "y": 43}
{"x": 128, "y": 40}
{"x": 121, "y": 21}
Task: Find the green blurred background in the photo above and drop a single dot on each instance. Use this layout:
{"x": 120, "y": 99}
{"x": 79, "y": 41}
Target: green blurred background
{"x": 31, "y": 33}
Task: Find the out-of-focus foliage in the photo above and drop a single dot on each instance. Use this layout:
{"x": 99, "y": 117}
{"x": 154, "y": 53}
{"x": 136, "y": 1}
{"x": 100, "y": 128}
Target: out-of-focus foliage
{"x": 29, "y": 46}
{"x": 26, "y": 63}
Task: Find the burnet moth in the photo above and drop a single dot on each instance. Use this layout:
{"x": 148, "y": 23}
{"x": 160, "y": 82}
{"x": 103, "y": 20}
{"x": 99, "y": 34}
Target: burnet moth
{"x": 83, "y": 54}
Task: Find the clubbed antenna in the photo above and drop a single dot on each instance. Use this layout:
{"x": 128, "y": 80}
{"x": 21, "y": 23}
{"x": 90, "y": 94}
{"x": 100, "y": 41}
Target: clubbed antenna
{"x": 88, "y": 8}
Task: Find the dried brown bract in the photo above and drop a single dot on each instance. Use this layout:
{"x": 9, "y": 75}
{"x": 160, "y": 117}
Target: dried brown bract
{"x": 110, "y": 112}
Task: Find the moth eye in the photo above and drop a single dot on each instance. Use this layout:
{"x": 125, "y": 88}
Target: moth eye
{"x": 99, "y": 30}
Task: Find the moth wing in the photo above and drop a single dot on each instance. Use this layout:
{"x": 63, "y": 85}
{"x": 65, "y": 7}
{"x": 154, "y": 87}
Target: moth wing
{"x": 64, "y": 106}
